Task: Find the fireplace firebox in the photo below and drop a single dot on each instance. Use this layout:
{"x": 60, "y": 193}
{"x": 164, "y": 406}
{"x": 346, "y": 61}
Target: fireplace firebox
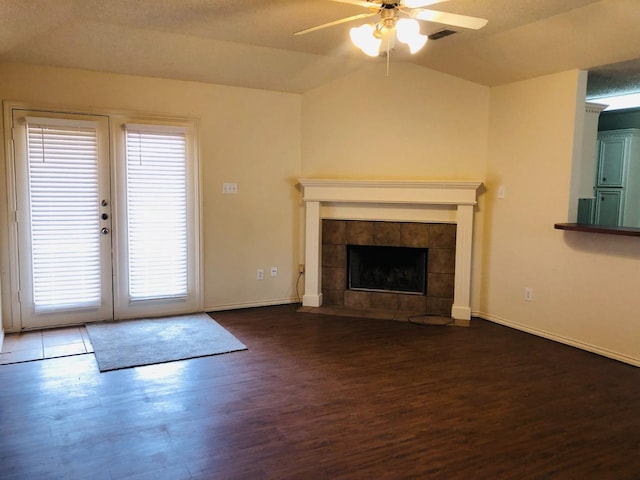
{"x": 386, "y": 269}
{"x": 436, "y": 240}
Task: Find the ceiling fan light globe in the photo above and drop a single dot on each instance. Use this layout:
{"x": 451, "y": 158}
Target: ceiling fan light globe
{"x": 363, "y": 37}
{"x": 408, "y": 31}
{"x": 407, "y": 28}
{"x": 417, "y": 43}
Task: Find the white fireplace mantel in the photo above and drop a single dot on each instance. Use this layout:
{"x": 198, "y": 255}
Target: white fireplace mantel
{"x": 409, "y": 201}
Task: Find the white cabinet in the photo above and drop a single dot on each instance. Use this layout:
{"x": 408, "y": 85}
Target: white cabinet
{"x": 617, "y": 188}
{"x": 609, "y": 207}
{"x": 612, "y": 159}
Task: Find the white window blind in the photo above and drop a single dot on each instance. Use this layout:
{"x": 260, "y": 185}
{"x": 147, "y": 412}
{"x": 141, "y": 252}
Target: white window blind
{"x": 65, "y": 231}
{"x": 156, "y": 212}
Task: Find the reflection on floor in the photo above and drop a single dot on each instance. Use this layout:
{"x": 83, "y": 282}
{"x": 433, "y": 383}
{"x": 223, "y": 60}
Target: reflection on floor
{"x": 57, "y": 342}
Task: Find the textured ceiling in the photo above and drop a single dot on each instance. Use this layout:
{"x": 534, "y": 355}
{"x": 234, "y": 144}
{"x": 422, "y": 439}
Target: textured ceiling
{"x": 615, "y": 79}
{"x": 249, "y": 43}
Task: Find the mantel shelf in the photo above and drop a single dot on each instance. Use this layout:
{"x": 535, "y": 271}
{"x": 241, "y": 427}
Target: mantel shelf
{"x": 588, "y": 228}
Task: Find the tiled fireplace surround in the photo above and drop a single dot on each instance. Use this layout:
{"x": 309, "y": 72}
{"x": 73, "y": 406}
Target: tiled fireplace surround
{"x": 375, "y": 210}
{"x": 438, "y": 238}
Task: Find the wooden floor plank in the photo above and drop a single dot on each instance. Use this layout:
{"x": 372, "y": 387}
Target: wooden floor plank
{"x": 320, "y": 396}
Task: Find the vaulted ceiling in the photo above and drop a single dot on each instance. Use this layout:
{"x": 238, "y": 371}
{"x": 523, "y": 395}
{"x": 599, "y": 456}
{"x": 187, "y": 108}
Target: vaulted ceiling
{"x": 249, "y": 43}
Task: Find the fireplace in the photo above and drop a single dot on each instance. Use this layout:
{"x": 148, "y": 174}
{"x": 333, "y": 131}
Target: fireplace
{"x": 431, "y": 244}
{"x": 445, "y": 206}
{"x": 373, "y": 268}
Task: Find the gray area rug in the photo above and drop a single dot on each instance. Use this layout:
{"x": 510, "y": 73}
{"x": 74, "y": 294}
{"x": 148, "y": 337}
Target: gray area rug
{"x": 130, "y": 343}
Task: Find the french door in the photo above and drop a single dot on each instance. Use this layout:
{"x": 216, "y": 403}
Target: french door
{"x": 105, "y": 217}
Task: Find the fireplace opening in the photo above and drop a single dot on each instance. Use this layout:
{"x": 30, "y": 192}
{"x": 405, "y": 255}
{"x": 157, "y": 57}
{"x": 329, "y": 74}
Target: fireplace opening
{"x": 387, "y": 269}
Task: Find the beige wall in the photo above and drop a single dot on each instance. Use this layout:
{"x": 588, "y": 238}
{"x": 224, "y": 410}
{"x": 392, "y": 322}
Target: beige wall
{"x": 584, "y": 285}
{"x": 414, "y": 124}
{"x": 251, "y": 137}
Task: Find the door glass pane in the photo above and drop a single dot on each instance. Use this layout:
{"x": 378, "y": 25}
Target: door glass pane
{"x": 156, "y": 214}
{"x": 64, "y": 216}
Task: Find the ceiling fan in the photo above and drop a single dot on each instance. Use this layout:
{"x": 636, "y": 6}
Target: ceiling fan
{"x": 399, "y": 16}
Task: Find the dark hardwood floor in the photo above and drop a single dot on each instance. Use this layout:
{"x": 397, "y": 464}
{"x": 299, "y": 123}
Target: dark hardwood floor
{"x": 323, "y": 397}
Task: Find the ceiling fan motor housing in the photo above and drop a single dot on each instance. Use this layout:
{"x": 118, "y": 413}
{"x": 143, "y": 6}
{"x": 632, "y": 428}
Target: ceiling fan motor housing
{"x": 389, "y": 15}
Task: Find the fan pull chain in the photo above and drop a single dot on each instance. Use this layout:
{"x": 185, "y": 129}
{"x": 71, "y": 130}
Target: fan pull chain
{"x": 388, "y": 54}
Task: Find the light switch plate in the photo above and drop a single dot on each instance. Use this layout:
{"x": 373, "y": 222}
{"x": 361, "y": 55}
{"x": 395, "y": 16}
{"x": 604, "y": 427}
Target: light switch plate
{"x": 229, "y": 188}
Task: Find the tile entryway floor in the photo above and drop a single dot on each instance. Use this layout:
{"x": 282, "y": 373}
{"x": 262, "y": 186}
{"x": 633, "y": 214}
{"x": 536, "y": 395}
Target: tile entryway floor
{"x": 41, "y": 344}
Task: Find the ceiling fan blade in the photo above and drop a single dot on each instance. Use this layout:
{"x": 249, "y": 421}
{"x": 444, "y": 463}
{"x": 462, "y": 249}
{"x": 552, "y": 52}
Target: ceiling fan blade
{"x": 453, "y": 19}
{"x": 337, "y": 22}
{"x": 404, "y": 3}
{"x": 364, "y": 3}
{"x": 421, "y": 3}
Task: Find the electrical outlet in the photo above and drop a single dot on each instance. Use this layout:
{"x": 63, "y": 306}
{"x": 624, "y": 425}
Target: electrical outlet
{"x": 260, "y": 274}
{"x": 301, "y": 268}
{"x": 501, "y": 192}
{"x": 274, "y": 271}
{"x": 528, "y": 294}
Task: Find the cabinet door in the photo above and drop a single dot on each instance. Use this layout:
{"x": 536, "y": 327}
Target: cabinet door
{"x": 611, "y": 162}
{"x": 609, "y": 207}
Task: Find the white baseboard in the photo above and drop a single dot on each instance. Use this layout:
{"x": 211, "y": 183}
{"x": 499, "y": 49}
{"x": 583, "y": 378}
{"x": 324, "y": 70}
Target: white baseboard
{"x": 561, "y": 339}
{"x": 237, "y": 306}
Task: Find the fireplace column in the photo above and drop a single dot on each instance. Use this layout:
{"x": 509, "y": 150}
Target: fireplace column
{"x": 461, "y": 309}
{"x": 313, "y": 251}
